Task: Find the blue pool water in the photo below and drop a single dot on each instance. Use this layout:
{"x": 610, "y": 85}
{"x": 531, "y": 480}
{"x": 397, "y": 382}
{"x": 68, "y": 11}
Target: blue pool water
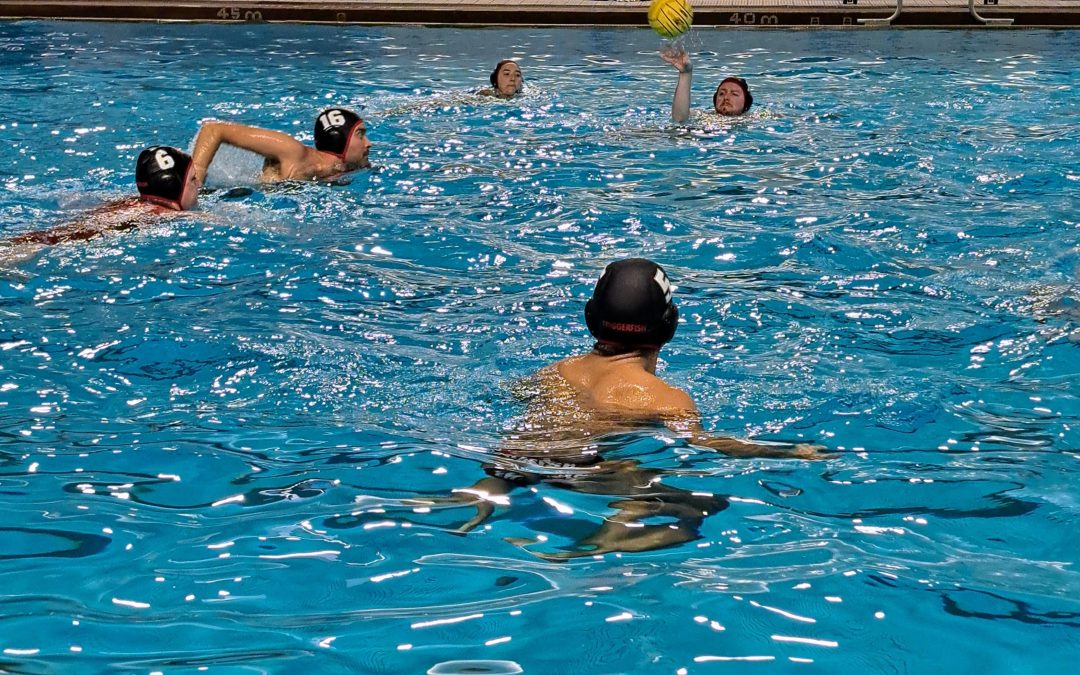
{"x": 209, "y": 428}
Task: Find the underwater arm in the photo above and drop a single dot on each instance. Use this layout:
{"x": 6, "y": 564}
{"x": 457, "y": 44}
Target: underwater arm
{"x": 735, "y": 447}
{"x": 680, "y": 414}
{"x": 115, "y": 216}
{"x": 688, "y": 426}
{"x": 270, "y": 144}
{"x": 485, "y": 494}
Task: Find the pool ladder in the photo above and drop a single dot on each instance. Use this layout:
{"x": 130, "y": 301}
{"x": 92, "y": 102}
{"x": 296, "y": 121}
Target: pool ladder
{"x": 986, "y": 21}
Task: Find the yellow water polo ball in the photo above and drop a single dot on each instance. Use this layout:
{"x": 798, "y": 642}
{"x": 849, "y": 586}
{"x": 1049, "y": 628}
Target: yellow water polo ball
{"x": 671, "y": 18}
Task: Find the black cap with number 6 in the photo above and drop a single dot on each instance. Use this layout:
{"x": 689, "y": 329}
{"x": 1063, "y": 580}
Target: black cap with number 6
{"x": 161, "y": 172}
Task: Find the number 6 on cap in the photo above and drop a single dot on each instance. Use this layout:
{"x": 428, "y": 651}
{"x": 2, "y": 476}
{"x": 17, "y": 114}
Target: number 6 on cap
{"x": 164, "y": 160}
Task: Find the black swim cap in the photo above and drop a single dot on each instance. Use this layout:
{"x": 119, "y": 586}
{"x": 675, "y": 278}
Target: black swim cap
{"x": 742, "y": 85}
{"x": 631, "y": 305}
{"x": 161, "y": 174}
{"x": 333, "y": 130}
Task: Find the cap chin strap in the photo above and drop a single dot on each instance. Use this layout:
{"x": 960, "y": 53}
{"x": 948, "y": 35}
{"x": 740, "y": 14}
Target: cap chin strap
{"x": 336, "y": 155}
{"x": 161, "y": 201}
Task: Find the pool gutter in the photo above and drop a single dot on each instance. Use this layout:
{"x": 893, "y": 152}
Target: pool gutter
{"x": 855, "y": 14}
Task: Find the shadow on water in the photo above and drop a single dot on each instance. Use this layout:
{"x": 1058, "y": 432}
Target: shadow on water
{"x": 51, "y": 543}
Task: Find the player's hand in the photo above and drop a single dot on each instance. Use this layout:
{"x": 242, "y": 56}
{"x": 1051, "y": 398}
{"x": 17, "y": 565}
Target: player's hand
{"x": 677, "y": 56}
{"x": 810, "y": 451}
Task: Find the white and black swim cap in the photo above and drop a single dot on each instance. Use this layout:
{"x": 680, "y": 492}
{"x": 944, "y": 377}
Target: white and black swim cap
{"x": 631, "y": 305}
{"x": 334, "y": 129}
{"x": 161, "y": 174}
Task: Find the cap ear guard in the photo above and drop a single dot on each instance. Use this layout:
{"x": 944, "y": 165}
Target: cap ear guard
{"x": 669, "y": 323}
{"x": 592, "y": 321}
{"x": 333, "y": 130}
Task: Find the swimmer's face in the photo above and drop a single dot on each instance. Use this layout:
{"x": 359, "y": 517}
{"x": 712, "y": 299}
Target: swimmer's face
{"x": 190, "y": 196}
{"x": 358, "y": 147}
{"x": 508, "y": 79}
{"x": 730, "y": 99}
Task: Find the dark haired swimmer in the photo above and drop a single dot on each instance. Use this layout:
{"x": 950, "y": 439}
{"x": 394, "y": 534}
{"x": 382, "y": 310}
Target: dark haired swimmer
{"x": 505, "y": 80}
{"x": 612, "y": 388}
{"x": 731, "y": 98}
{"x": 341, "y": 145}
{"x": 167, "y": 184}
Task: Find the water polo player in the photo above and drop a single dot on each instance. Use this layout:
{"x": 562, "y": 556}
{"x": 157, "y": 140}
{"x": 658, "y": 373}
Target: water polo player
{"x": 612, "y": 388}
{"x": 731, "y": 98}
{"x": 167, "y": 184}
{"x": 505, "y": 80}
{"x": 632, "y": 314}
{"x": 341, "y": 145}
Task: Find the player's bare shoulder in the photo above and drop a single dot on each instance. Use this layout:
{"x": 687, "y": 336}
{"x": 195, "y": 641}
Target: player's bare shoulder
{"x": 673, "y": 402}
{"x": 641, "y": 392}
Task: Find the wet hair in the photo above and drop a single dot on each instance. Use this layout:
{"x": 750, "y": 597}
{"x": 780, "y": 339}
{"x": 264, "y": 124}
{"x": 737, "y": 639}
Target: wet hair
{"x": 161, "y": 174}
{"x": 631, "y": 307}
{"x": 742, "y": 85}
{"x": 495, "y": 73}
{"x": 334, "y": 129}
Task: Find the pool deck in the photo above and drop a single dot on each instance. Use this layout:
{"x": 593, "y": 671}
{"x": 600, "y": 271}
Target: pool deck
{"x": 707, "y": 13}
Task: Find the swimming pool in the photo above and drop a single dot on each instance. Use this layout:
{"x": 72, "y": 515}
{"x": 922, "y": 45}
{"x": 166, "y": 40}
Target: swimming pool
{"x": 210, "y": 427}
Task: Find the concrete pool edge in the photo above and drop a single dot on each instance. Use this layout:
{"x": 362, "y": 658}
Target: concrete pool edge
{"x": 708, "y": 13}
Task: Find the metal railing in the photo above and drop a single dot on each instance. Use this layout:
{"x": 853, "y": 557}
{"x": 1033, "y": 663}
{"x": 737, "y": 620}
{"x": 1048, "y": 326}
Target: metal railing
{"x": 886, "y": 21}
{"x": 985, "y": 20}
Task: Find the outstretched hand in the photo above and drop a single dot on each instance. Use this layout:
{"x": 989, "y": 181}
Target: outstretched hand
{"x": 677, "y": 56}
{"x": 810, "y": 451}
{"x": 734, "y": 447}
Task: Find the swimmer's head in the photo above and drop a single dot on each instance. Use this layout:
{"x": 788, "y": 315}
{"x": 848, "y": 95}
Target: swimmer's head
{"x": 732, "y": 97}
{"x": 342, "y": 133}
{"x": 506, "y": 78}
{"x": 631, "y": 305}
{"x": 166, "y": 176}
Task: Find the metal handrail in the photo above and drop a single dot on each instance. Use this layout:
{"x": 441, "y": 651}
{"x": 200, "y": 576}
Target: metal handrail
{"x": 987, "y": 21}
{"x": 888, "y": 20}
